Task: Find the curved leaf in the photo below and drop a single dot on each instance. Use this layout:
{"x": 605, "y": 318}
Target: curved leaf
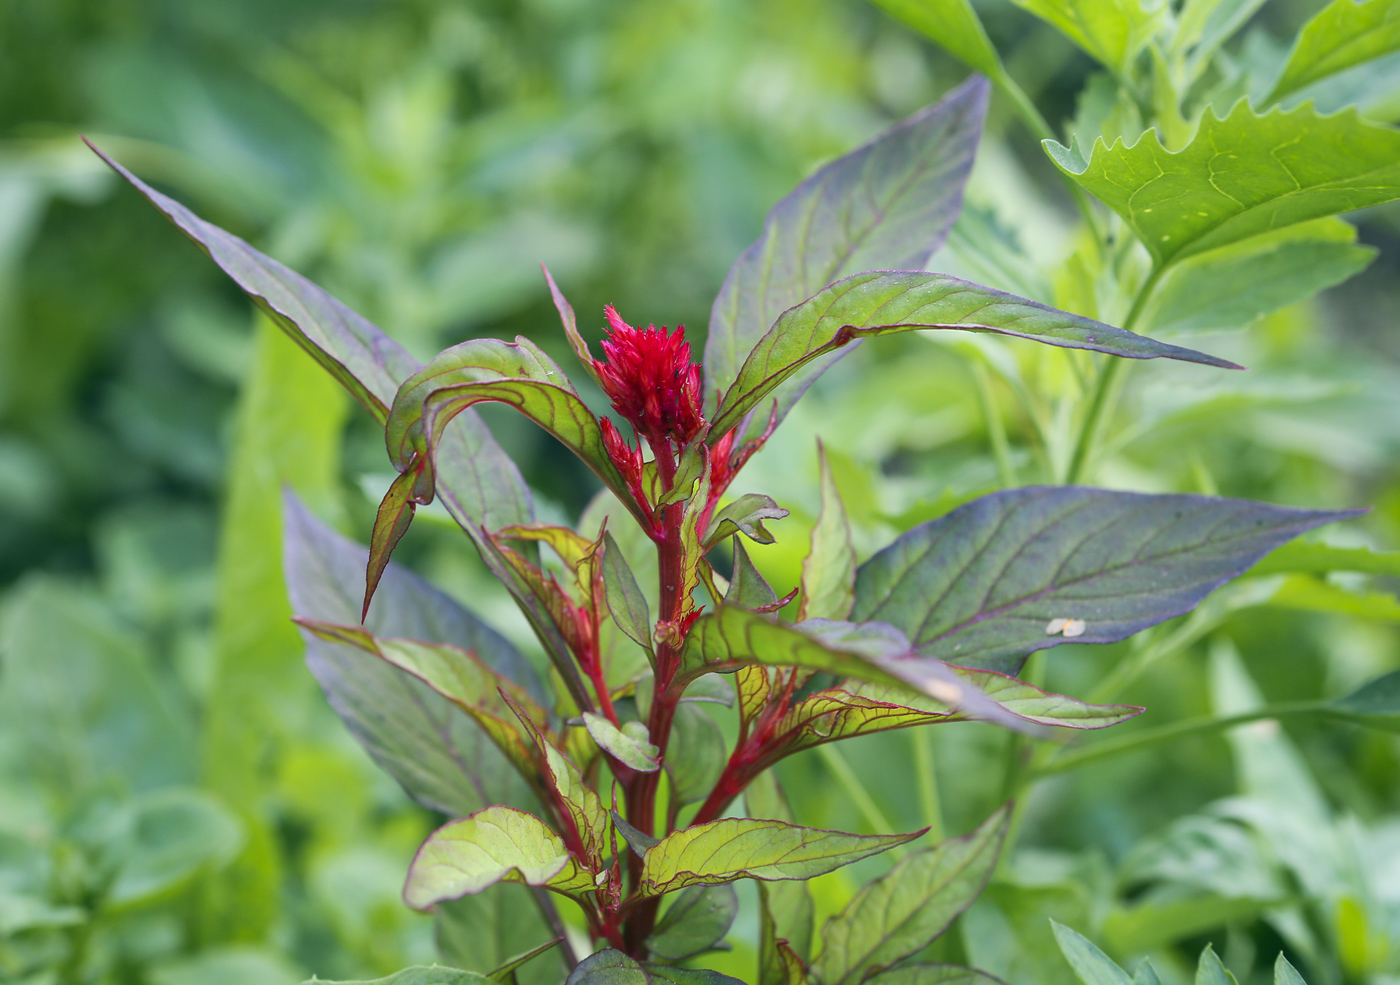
{"x": 499, "y": 843}
{"x": 886, "y": 204}
{"x": 1240, "y": 176}
{"x": 1340, "y": 35}
{"x": 883, "y": 302}
{"x": 745, "y": 515}
{"x": 748, "y": 848}
{"x": 903, "y": 911}
{"x": 629, "y": 744}
{"x": 697, "y": 921}
{"x": 1113, "y": 31}
{"x": 985, "y": 584}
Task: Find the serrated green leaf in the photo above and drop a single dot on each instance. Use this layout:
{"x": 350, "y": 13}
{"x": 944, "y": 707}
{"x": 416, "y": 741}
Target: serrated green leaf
{"x": 697, "y": 921}
{"x": 745, "y": 848}
{"x": 1112, "y": 31}
{"x": 1312, "y": 558}
{"x": 423, "y": 975}
{"x": 886, "y": 205}
{"x": 1340, "y": 35}
{"x": 498, "y": 843}
{"x": 1230, "y": 288}
{"x": 953, "y": 25}
{"x": 967, "y": 588}
{"x": 1239, "y": 177}
{"x": 934, "y": 974}
{"x": 1091, "y": 966}
{"x": 1210, "y": 971}
{"x": 903, "y": 911}
{"x": 879, "y": 303}
{"x": 745, "y": 515}
{"x": 1285, "y": 973}
{"x": 829, "y": 570}
{"x": 628, "y": 744}
{"x": 626, "y": 603}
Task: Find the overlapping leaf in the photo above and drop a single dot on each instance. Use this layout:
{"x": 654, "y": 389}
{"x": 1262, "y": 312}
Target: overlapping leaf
{"x": 952, "y": 24}
{"x": 886, "y": 205}
{"x": 498, "y": 843}
{"x": 697, "y": 921}
{"x": 984, "y": 585}
{"x": 829, "y": 570}
{"x": 745, "y": 515}
{"x": 748, "y": 848}
{"x": 1113, "y": 31}
{"x": 884, "y": 302}
{"x": 1340, "y": 35}
{"x": 609, "y": 967}
{"x": 1239, "y": 177}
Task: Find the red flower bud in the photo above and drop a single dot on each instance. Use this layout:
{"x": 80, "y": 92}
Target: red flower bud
{"x": 651, "y": 381}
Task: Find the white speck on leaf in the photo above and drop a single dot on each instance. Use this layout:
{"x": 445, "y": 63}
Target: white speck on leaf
{"x": 1075, "y": 627}
{"x": 1055, "y": 626}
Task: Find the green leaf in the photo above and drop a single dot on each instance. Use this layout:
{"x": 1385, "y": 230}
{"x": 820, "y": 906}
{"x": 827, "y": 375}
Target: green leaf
{"x": 885, "y": 302}
{"x": 639, "y": 841}
{"x": 440, "y": 756}
{"x": 954, "y": 25}
{"x": 697, "y": 921}
{"x": 505, "y": 973}
{"x": 748, "y": 588}
{"x": 933, "y": 974}
{"x": 1008, "y": 574}
{"x": 886, "y": 205}
{"x": 611, "y": 967}
{"x": 1312, "y": 594}
{"x": 1239, "y": 177}
{"x": 829, "y": 570}
{"x": 745, "y": 515}
{"x": 1230, "y": 288}
{"x": 498, "y": 843}
{"x": 629, "y": 744}
{"x": 903, "y": 911}
{"x": 1376, "y": 703}
{"x": 1112, "y": 31}
{"x": 1313, "y": 558}
{"x": 1160, "y": 923}
{"x": 787, "y": 912}
{"x": 483, "y": 932}
{"x": 1340, "y": 35}
{"x": 1209, "y": 971}
{"x": 778, "y": 963}
{"x": 391, "y": 522}
{"x": 1090, "y": 965}
{"x": 745, "y": 848}
{"x": 696, "y": 754}
{"x": 422, "y": 975}
{"x": 175, "y": 834}
{"x": 580, "y": 802}
{"x": 1285, "y": 973}
{"x": 626, "y": 603}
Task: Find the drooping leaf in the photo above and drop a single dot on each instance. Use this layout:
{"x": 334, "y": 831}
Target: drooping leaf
{"x": 467, "y": 856}
{"x": 886, "y": 205}
{"x": 954, "y": 25}
{"x": 1112, "y": 31}
{"x": 934, "y": 974}
{"x": 629, "y": 744}
{"x": 746, "y": 848}
{"x": 985, "y": 585}
{"x": 611, "y": 967}
{"x": 697, "y": 921}
{"x": 484, "y": 932}
{"x": 1091, "y": 966}
{"x": 1340, "y": 35}
{"x": 745, "y": 515}
{"x": 903, "y": 911}
{"x": 1232, "y": 287}
{"x": 787, "y": 911}
{"x": 391, "y": 522}
{"x": 434, "y": 750}
{"x": 885, "y": 302}
{"x": 1239, "y": 177}
{"x": 626, "y": 603}
{"x": 423, "y": 975}
{"x": 639, "y": 841}
{"x": 829, "y": 570}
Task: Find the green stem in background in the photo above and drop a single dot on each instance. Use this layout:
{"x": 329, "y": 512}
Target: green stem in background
{"x": 996, "y": 426}
{"x": 927, "y": 772}
{"x": 841, "y": 770}
{"x": 1146, "y": 738}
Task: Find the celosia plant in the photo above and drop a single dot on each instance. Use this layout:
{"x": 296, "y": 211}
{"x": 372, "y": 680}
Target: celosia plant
{"x": 609, "y": 785}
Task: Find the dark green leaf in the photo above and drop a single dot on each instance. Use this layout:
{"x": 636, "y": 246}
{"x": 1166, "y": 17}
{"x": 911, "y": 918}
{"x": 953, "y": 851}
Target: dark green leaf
{"x": 829, "y": 570}
{"x": 1090, "y": 965}
{"x": 1376, "y": 703}
{"x": 886, "y": 205}
{"x": 626, "y": 602}
{"x": 747, "y": 588}
{"x": 483, "y": 932}
{"x": 615, "y": 968}
{"x": 504, "y": 973}
{"x": 1239, "y": 177}
{"x": 934, "y": 974}
{"x": 745, "y": 515}
{"x": 903, "y": 911}
{"x": 1008, "y": 574}
{"x": 748, "y": 848}
{"x": 1340, "y": 35}
{"x": 954, "y": 25}
{"x": 884, "y": 302}
{"x": 778, "y": 963}
{"x": 697, "y": 921}
{"x": 639, "y": 841}
{"x": 390, "y": 524}
{"x": 696, "y": 754}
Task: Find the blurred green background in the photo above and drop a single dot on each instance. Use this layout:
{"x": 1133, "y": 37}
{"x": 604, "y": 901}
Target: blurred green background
{"x": 177, "y": 804}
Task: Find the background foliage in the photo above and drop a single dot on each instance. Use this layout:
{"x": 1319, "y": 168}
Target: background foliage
{"x": 178, "y": 806}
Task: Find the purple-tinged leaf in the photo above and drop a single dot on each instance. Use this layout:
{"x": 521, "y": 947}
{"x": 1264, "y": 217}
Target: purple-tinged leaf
{"x": 1025, "y": 569}
{"x": 390, "y": 524}
{"x": 435, "y": 751}
{"x": 882, "y": 302}
{"x": 888, "y": 204}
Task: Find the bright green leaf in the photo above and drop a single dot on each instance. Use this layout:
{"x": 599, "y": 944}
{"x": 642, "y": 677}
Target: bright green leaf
{"x": 829, "y": 570}
{"x": 745, "y": 515}
{"x": 174, "y": 835}
{"x": 787, "y": 911}
{"x": 628, "y": 744}
{"x": 1340, "y": 35}
{"x": 1090, "y": 965}
{"x": 1314, "y": 558}
{"x": 748, "y": 588}
{"x": 428, "y": 975}
{"x": 696, "y": 921}
{"x": 1311, "y": 594}
{"x": 1112, "y": 31}
{"x": 954, "y": 25}
{"x": 746, "y": 848}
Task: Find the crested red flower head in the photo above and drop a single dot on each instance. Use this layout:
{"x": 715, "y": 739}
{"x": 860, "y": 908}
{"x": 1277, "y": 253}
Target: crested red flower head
{"x": 650, "y": 380}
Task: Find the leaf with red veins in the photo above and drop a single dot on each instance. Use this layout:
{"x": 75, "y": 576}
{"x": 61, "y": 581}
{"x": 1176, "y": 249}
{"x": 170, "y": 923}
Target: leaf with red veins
{"x": 575, "y": 622}
{"x": 390, "y": 524}
{"x": 651, "y": 381}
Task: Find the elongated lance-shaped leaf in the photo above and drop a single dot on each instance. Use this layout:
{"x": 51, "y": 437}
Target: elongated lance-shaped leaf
{"x": 747, "y": 848}
{"x": 390, "y": 524}
{"x": 569, "y": 789}
{"x": 903, "y": 911}
{"x": 778, "y": 963}
{"x": 1091, "y": 966}
{"x": 1342, "y": 34}
{"x": 829, "y": 570}
{"x": 465, "y": 857}
{"x": 1239, "y": 177}
{"x": 787, "y": 912}
{"x": 1113, "y": 31}
{"x": 1285, "y": 973}
{"x": 459, "y": 676}
{"x": 952, "y": 24}
{"x": 440, "y": 756}
{"x": 369, "y": 364}
{"x": 884, "y": 302}
{"x": 1025, "y": 569}
{"x": 504, "y": 974}
{"x": 885, "y": 205}
{"x": 626, "y": 602}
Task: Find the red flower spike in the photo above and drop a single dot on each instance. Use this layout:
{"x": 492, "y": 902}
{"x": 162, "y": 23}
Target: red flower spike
{"x": 651, "y": 381}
